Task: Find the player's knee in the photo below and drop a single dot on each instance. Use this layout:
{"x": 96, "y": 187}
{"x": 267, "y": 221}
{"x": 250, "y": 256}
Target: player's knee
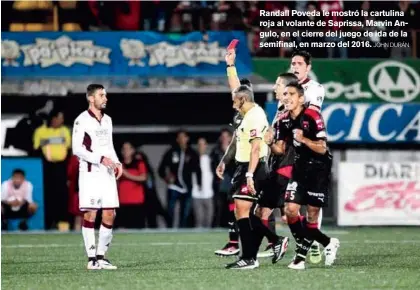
{"x": 265, "y": 213}
{"x": 242, "y": 208}
{"x": 312, "y": 215}
{"x": 291, "y": 210}
{"x": 108, "y": 216}
{"x": 90, "y": 216}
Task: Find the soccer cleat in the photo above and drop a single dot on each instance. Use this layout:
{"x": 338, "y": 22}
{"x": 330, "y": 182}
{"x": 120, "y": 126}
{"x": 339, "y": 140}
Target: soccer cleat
{"x": 93, "y": 265}
{"x": 243, "y": 264}
{"x": 315, "y": 255}
{"x": 106, "y": 264}
{"x": 230, "y": 249}
{"x": 267, "y": 253}
{"x": 280, "y": 249}
{"x": 330, "y": 251}
{"x": 299, "y": 265}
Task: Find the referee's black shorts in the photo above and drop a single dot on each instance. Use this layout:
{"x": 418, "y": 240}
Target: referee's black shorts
{"x": 239, "y": 188}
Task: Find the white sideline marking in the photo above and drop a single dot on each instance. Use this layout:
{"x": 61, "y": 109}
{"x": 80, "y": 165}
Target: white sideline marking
{"x": 188, "y": 243}
{"x": 113, "y": 244}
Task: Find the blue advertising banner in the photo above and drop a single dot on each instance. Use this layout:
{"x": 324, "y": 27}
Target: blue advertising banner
{"x": 120, "y": 53}
{"x": 368, "y": 123}
{"x": 33, "y": 172}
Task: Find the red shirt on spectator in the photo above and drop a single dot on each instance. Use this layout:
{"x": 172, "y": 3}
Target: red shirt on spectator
{"x": 132, "y": 192}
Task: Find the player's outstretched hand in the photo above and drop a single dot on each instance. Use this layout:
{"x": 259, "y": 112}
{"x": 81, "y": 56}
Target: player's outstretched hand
{"x": 119, "y": 170}
{"x": 108, "y": 163}
{"x": 220, "y": 170}
{"x": 230, "y": 57}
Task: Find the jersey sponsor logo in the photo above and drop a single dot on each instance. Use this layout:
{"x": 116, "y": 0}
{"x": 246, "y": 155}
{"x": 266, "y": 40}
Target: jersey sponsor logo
{"x": 253, "y": 133}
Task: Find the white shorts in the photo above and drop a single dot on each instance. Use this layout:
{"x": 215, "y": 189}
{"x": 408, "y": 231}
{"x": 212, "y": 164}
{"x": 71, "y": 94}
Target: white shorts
{"x": 97, "y": 190}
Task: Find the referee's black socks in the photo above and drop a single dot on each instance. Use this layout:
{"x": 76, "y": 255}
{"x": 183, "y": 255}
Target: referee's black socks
{"x": 247, "y": 239}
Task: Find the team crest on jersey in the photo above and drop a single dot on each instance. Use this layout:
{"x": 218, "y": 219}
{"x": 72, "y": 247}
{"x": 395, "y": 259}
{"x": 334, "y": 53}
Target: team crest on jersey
{"x": 305, "y": 125}
{"x": 253, "y": 133}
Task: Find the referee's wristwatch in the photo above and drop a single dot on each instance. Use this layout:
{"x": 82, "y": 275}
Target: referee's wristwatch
{"x": 249, "y": 175}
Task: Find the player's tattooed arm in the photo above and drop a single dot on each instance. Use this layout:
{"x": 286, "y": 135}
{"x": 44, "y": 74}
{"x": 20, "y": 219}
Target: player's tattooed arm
{"x": 230, "y": 151}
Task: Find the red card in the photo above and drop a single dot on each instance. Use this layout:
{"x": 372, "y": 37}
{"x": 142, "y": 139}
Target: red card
{"x": 232, "y": 44}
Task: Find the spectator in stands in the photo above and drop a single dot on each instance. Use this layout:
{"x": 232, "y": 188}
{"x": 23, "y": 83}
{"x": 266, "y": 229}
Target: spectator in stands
{"x": 333, "y": 6}
{"x": 52, "y": 141}
{"x": 131, "y": 190}
{"x": 153, "y": 204}
{"x": 203, "y": 196}
{"x": 73, "y": 190}
{"x": 315, "y": 52}
{"x": 176, "y": 168}
{"x": 222, "y": 187}
{"x": 16, "y": 200}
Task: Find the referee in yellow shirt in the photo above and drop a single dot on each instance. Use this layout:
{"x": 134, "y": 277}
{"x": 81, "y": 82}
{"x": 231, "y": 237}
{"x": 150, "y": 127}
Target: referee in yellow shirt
{"x": 251, "y": 171}
{"x": 52, "y": 141}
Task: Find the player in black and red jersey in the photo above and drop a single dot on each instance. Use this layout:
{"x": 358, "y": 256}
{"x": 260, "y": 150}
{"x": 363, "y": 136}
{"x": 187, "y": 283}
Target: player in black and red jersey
{"x": 304, "y": 129}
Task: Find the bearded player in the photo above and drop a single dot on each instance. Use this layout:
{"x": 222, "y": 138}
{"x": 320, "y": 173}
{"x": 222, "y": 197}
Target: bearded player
{"x": 98, "y": 171}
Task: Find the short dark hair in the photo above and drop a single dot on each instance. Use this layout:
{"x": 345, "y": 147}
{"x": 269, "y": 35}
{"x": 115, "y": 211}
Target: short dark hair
{"x": 288, "y": 77}
{"x": 306, "y": 56}
{"x": 298, "y": 87}
{"x": 226, "y": 130}
{"x": 245, "y": 91}
{"x": 246, "y": 82}
{"x": 92, "y": 88}
{"x": 18, "y": 171}
{"x": 180, "y": 131}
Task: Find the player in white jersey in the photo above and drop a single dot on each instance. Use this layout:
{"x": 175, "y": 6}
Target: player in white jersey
{"x": 301, "y": 65}
{"x": 98, "y": 170}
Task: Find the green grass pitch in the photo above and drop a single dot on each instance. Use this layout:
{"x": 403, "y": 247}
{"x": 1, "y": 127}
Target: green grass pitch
{"x": 369, "y": 258}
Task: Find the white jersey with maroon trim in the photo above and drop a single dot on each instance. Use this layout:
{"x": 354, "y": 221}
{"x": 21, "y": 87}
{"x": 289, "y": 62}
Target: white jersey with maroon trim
{"x": 92, "y": 140}
{"x": 314, "y": 93}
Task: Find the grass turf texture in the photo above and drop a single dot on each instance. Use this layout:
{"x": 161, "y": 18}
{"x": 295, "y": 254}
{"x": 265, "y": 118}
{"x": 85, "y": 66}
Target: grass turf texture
{"x": 369, "y": 258}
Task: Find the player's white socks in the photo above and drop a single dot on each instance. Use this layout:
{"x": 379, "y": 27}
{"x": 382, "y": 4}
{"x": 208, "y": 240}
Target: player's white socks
{"x": 105, "y": 238}
{"x": 88, "y": 232}
{"x": 320, "y": 219}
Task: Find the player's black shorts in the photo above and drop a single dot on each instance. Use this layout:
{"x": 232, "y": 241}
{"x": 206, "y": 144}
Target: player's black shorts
{"x": 309, "y": 184}
{"x": 274, "y": 191}
{"x": 239, "y": 188}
